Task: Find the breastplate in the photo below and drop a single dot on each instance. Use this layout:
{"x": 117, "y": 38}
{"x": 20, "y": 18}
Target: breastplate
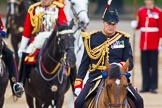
{"x": 49, "y": 17}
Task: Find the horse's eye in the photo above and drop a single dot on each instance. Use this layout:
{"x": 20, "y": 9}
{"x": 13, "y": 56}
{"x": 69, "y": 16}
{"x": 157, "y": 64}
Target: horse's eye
{"x": 126, "y": 85}
{"x": 73, "y": 3}
{"x": 109, "y": 85}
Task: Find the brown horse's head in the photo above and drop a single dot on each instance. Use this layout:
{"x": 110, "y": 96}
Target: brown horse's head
{"x": 115, "y": 85}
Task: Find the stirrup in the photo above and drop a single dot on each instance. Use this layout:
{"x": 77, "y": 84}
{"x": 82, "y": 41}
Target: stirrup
{"x": 18, "y": 89}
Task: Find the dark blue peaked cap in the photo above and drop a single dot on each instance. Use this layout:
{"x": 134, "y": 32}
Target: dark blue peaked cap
{"x": 111, "y": 16}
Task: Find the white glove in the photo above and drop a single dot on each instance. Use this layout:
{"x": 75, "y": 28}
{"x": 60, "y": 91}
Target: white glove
{"x": 77, "y": 91}
{"x": 24, "y": 42}
{"x": 134, "y": 24}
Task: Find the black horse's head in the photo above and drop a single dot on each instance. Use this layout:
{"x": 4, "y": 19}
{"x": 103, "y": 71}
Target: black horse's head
{"x": 15, "y": 7}
{"x": 16, "y": 13}
{"x": 66, "y": 42}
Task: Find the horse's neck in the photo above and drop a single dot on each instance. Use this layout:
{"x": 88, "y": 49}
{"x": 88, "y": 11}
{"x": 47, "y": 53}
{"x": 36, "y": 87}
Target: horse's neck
{"x": 68, "y": 12}
{"x": 51, "y": 55}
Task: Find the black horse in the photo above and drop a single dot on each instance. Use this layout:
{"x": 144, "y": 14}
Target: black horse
{"x": 49, "y": 79}
{"x": 15, "y": 18}
{"x": 4, "y": 75}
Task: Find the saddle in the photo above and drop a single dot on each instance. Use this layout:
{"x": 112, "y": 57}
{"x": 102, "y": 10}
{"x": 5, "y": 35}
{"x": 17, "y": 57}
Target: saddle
{"x": 94, "y": 92}
{"x": 32, "y": 59}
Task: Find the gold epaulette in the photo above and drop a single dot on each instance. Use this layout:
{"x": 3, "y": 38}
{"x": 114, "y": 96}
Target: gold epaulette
{"x": 127, "y": 35}
{"x": 58, "y": 4}
{"x": 61, "y": 1}
{"x": 88, "y": 35}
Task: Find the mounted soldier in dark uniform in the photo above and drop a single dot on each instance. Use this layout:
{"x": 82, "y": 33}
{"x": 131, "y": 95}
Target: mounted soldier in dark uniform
{"x": 107, "y": 44}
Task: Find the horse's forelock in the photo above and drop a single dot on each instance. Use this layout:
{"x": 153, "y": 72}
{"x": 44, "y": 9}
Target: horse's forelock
{"x": 115, "y": 72}
{"x": 52, "y": 35}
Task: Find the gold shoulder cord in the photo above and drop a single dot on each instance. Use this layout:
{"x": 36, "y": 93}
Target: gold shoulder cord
{"x": 36, "y": 20}
{"x": 100, "y": 51}
{"x": 99, "y": 54}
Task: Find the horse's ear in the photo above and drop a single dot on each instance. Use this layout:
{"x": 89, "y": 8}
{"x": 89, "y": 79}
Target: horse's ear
{"x": 54, "y": 32}
{"x": 71, "y": 24}
{"x": 108, "y": 66}
{"x": 125, "y": 67}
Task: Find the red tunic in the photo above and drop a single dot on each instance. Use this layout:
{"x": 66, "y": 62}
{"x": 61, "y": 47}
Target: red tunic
{"x": 1, "y": 23}
{"x": 149, "y": 24}
{"x": 28, "y": 26}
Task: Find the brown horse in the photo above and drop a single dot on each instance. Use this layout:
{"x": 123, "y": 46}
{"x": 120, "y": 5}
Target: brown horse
{"x": 4, "y": 75}
{"x": 48, "y": 80}
{"x": 14, "y": 22}
{"x": 112, "y": 92}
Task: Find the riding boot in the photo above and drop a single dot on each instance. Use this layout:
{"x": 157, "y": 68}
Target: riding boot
{"x": 23, "y": 67}
{"x": 72, "y": 78}
{"x": 12, "y": 69}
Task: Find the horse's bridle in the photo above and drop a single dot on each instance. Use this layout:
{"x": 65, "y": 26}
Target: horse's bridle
{"x": 59, "y": 65}
{"x": 76, "y": 14}
{"x": 117, "y": 91}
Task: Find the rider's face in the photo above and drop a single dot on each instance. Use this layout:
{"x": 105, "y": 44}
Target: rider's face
{"x": 109, "y": 29}
{"x": 46, "y": 2}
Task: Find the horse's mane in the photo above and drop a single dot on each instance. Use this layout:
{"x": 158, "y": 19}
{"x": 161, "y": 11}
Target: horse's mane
{"x": 52, "y": 35}
{"x": 54, "y": 32}
{"x": 115, "y": 72}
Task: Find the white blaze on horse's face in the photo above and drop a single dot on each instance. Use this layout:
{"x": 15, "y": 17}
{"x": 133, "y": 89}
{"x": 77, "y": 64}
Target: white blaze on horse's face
{"x": 81, "y": 8}
{"x": 12, "y": 6}
{"x": 117, "y": 81}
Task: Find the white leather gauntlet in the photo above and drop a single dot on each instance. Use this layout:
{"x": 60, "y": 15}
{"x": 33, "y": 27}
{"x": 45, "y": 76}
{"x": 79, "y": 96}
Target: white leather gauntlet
{"x": 24, "y": 42}
{"x": 77, "y": 91}
{"x": 134, "y": 24}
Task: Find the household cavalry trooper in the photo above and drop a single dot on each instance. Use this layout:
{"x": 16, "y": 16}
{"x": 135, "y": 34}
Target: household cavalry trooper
{"x": 39, "y": 23}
